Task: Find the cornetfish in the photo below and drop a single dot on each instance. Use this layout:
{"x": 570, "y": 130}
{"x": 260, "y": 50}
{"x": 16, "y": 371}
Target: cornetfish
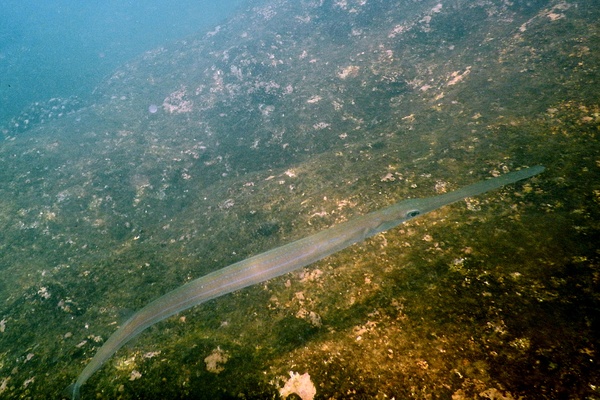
{"x": 282, "y": 260}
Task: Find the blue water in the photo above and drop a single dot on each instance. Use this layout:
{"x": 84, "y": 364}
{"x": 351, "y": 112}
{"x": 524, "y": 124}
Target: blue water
{"x": 64, "y": 48}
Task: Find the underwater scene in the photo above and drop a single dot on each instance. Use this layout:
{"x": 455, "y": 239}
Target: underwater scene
{"x": 287, "y": 119}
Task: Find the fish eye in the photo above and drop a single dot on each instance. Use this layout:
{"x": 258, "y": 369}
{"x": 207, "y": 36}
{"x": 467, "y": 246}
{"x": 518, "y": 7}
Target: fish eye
{"x": 412, "y": 213}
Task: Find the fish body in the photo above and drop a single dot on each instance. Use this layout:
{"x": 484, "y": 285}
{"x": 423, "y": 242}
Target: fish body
{"x": 282, "y": 260}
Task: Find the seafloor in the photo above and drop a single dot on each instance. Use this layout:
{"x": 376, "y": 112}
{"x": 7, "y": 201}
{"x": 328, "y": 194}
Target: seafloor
{"x": 289, "y": 118}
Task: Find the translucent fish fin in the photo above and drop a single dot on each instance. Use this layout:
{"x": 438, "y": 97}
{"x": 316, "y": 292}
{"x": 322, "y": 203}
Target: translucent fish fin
{"x": 72, "y": 391}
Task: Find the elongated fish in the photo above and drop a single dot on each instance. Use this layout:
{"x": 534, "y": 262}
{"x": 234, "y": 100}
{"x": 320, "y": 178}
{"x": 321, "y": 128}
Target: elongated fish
{"x": 280, "y": 261}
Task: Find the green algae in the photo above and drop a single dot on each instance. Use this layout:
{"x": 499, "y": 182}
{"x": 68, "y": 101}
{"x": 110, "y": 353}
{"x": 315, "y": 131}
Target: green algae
{"x": 497, "y": 296}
